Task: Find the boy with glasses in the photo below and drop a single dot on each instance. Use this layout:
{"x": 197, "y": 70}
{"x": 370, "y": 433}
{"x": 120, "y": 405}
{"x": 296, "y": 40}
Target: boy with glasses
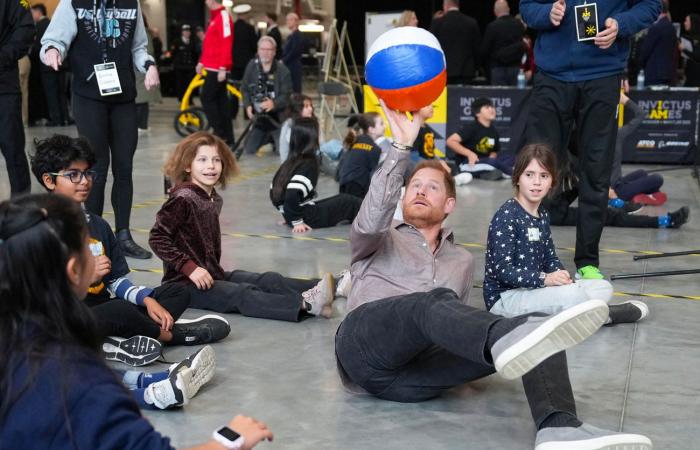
{"x": 135, "y": 320}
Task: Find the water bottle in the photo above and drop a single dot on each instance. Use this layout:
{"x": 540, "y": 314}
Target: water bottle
{"x": 640, "y": 80}
{"x": 521, "y": 79}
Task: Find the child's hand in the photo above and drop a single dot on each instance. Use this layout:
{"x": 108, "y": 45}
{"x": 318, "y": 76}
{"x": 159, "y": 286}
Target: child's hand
{"x": 202, "y": 279}
{"x": 158, "y": 314}
{"x": 252, "y": 430}
{"x": 557, "y": 278}
{"x": 301, "y": 228}
{"x": 102, "y": 267}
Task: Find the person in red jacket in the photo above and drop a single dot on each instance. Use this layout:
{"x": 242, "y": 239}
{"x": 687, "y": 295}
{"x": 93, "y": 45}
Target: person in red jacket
{"x": 216, "y": 59}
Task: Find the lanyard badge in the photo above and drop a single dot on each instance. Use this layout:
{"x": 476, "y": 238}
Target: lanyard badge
{"x": 108, "y": 79}
{"x": 586, "y": 21}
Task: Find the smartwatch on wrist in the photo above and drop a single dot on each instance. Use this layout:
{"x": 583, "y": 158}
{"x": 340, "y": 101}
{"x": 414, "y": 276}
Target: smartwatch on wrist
{"x": 542, "y": 277}
{"x": 228, "y": 438}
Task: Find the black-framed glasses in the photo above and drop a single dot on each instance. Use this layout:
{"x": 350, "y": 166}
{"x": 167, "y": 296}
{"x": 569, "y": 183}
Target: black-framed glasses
{"x": 76, "y": 176}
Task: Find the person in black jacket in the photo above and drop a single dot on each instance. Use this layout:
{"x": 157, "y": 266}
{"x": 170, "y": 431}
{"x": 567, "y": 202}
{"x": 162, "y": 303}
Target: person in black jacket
{"x": 185, "y": 57}
{"x": 459, "y": 38}
{"x": 362, "y": 157}
{"x": 53, "y": 83}
{"x": 294, "y": 47}
{"x": 244, "y": 46}
{"x": 503, "y": 47}
{"x": 16, "y": 34}
{"x": 691, "y": 51}
{"x": 274, "y": 32}
{"x": 294, "y": 185}
{"x": 658, "y": 48}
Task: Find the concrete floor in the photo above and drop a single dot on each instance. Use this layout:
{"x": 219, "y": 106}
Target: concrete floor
{"x": 635, "y": 378}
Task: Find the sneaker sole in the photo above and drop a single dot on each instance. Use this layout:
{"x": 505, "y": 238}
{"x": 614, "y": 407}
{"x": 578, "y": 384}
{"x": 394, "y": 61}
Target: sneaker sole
{"x": 136, "y": 351}
{"x": 612, "y": 442}
{"x": 566, "y": 329}
{"x": 202, "y": 369}
{"x": 327, "y": 309}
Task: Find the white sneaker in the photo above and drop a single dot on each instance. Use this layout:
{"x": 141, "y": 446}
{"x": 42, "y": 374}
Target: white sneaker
{"x": 343, "y": 284}
{"x": 463, "y": 178}
{"x": 321, "y": 297}
{"x": 201, "y": 366}
{"x": 171, "y": 392}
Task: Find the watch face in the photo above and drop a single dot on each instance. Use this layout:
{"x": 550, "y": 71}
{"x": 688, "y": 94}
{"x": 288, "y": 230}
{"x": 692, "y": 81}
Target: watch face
{"x": 228, "y": 433}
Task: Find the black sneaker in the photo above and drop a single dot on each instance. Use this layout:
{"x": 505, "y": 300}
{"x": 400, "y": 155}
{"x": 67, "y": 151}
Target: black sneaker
{"x": 628, "y": 312}
{"x": 631, "y": 208}
{"x": 202, "y": 330}
{"x": 679, "y": 217}
{"x": 135, "y": 351}
{"x": 131, "y": 248}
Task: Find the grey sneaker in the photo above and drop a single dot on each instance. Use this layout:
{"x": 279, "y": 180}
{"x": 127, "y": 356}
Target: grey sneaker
{"x": 135, "y": 351}
{"x": 321, "y": 297}
{"x": 343, "y": 283}
{"x": 628, "y": 312}
{"x": 200, "y": 366}
{"x": 588, "y": 437}
{"x": 530, "y": 343}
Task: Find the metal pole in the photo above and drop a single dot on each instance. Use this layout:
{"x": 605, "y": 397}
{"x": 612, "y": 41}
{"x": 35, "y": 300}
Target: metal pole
{"x": 666, "y": 255}
{"x": 653, "y": 274}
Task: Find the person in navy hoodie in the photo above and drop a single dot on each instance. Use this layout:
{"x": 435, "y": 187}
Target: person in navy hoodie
{"x": 579, "y": 81}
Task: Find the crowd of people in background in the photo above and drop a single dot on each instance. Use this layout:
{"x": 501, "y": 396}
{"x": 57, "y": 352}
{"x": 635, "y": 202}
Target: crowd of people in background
{"x": 86, "y": 299}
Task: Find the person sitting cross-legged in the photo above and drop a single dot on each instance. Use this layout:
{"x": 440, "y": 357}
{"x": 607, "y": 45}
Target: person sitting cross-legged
{"x": 409, "y": 335}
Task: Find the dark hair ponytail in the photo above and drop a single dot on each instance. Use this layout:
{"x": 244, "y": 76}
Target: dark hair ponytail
{"x": 303, "y": 145}
{"x": 39, "y": 311}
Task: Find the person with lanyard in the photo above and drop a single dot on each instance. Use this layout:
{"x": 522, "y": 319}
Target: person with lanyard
{"x": 217, "y": 60}
{"x": 107, "y": 39}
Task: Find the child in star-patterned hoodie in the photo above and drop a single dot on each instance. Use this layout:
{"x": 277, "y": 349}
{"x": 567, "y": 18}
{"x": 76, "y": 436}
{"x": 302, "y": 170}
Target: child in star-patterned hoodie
{"x": 523, "y": 273}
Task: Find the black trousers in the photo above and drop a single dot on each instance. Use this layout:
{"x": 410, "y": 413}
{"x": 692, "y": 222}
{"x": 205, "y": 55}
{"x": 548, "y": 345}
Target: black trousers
{"x": 142, "y": 111}
{"x": 117, "y": 317}
{"x": 592, "y": 106}
{"x": 183, "y": 76}
{"x": 216, "y": 106}
{"x": 414, "y": 347}
{"x": 355, "y": 189}
{"x": 266, "y": 295}
{"x": 54, "y": 90}
{"x": 12, "y": 143}
{"x": 111, "y": 130}
{"x": 329, "y": 212}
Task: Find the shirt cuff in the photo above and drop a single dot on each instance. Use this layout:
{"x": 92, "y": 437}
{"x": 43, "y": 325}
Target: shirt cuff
{"x": 189, "y": 267}
{"x": 142, "y": 294}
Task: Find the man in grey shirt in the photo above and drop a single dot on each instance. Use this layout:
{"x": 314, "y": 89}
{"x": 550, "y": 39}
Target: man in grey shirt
{"x": 410, "y": 336}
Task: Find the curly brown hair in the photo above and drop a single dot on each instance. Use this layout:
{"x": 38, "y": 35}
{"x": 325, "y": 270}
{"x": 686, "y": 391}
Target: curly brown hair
{"x": 181, "y": 159}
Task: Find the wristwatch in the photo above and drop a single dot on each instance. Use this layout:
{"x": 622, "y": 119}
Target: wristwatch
{"x": 228, "y": 438}
{"x": 542, "y": 277}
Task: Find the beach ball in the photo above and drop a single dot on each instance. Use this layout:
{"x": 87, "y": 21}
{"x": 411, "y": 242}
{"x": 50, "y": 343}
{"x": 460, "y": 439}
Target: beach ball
{"x": 405, "y": 67}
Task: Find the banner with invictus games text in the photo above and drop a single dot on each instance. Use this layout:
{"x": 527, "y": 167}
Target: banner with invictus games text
{"x": 669, "y": 131}
{"x": 511, "y": 111}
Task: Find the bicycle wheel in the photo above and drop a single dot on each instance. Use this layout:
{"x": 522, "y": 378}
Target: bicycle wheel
{"x": 190, "y": 121}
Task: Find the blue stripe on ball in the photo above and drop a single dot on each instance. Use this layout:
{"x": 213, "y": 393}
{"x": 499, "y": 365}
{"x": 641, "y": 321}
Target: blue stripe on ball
{"x": 395, "y": 67}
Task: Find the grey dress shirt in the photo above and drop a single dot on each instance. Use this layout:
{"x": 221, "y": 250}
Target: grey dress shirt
{"x": 391, "y": 258}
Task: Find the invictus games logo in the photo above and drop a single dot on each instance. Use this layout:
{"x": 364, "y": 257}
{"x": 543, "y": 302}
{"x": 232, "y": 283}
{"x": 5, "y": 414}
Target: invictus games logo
{"x": 666, "y": 109}
{"x": 24, "y": 4}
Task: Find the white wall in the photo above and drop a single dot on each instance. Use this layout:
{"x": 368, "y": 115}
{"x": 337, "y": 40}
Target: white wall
{"x": 155, "y": 12}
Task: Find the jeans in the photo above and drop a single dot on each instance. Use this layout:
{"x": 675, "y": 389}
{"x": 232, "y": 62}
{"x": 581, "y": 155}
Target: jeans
{"x": 118, "y": 317}
{"x": 638, "y": 182}
{"x": 414, "y": 347}
{"x": 266, "y": 295}
{"x": 111, "y": 130}
{"x": 261, "y": 131}
{"x": 551, "y": 299}
{"x": 592, "y": 105}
